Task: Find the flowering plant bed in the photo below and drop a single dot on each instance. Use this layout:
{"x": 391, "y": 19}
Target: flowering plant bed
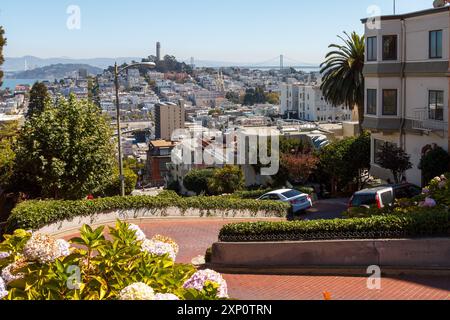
{"x": 129, "y": 266}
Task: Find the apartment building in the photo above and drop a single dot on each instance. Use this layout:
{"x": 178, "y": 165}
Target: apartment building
{"x": 306, "y": 102}
{"x": 168, "y": 117}
{"x": 407, "y": 84}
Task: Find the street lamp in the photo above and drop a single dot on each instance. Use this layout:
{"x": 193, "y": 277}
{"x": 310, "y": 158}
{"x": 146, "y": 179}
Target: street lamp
{"x": 118, "y": 71}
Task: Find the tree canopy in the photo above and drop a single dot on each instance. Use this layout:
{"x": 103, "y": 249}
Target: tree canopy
{"x": 38, "y": 97}
{"x": 342, "y": 74}
{"x": 66, "y": 151}
{"x": 393, "y": 158}
{"x": 2, "y": 44}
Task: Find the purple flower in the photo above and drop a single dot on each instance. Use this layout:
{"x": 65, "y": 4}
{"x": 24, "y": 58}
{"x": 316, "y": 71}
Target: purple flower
{"x": 3, "y": 291}
{"x": 199, "y": 279}
{"x": 4, "y": 255}
{"x": 425, "y": 191}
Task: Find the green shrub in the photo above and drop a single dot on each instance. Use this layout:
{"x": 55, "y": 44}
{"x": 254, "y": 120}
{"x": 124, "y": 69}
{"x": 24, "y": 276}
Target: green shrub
{"x": 434, "y": 162}
{"x": 227, "y": 180}
{"x": 113, "y": 188}
{"x": 255, "y": 194}
{"x": 36, "y": 214}
{"x": 98, "y": 268}
{"x": 431, "y": 222}
{"x": 197, "y": 180}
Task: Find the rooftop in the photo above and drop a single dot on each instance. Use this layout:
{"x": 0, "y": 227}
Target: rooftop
{"x": 411, "y": 14}
{"x": 161, "y": 144}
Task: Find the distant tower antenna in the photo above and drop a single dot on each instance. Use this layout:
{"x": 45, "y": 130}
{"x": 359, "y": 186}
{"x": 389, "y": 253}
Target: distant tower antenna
{"x": 281, "y": 62}
{"x": 26, "y": 65}
{"x": 394, "y": 8}
{"x": 192, "y": 63}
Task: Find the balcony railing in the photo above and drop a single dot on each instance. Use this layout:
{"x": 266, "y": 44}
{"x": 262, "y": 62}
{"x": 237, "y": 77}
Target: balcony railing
{"x": 424, "y": 121}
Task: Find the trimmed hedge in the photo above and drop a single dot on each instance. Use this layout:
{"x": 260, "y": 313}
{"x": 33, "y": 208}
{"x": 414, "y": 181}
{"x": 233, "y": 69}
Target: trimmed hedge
{"x": 432, "y": 223}
{"x": 37, "y": 214}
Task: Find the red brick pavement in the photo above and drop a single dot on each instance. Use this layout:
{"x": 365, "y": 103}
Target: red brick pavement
{"x": 194, "y": 236}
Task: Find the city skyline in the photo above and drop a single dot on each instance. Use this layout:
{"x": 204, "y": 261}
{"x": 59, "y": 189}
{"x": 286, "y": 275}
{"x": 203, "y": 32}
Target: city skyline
{"x": 229, "y": 31}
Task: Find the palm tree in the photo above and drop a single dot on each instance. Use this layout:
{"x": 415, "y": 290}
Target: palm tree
{"x": 342, "y": 74}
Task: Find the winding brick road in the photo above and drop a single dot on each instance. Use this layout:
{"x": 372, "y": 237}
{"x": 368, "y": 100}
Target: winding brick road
{"x": 196, "y": 235}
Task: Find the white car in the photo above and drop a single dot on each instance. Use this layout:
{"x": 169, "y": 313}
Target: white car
{"x": 299, "y": 201}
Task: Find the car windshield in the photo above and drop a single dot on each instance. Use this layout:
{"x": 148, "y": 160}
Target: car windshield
{"x": 364, "y": 200}
{"x": 291, "y": 194}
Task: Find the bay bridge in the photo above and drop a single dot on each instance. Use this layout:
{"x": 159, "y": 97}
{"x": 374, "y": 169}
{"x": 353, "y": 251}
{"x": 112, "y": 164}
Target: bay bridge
{"x": 280, "y": 62}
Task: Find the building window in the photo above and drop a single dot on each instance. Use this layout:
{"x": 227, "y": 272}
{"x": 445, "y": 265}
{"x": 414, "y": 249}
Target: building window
{"x": 371, "y": 101}
{"x": 372, "y": 49}
{"x": 390, "y": 102}
{"x": 390, "y": 47}
{"x": 436, "y": 44}
{"x": 436, "y": 105}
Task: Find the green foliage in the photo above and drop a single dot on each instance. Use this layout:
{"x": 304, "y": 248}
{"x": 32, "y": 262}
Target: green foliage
{"x": 105, "y": 267}
{"x": 36, "y": 214}
{"x": 439, "y": 189}
{"x": 66, "y": 151}
{"x": 254, "y": 96}
{"x": 227, "y": 180}
{"x": 272, "y": 98}
{"x": 434, "y": 162}
{"x": 113, "y": 187}
{"x": 2, "y": 44}
{"x": 393, "y": 158}
{"x": 255, "y": 194}
{"x": 342, "y": 70}
{"x": 233, "y": 97}
{"x": 38, "y": 99}
{"x": 8, "y": 135}
{"x": 197, "y": 180}
{"x": 420, "y": 223}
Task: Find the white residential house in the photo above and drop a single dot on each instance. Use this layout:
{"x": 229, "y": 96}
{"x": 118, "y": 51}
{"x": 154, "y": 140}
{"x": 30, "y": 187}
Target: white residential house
{"x": 407, "y": 84}
{"x": 306, "y": 102}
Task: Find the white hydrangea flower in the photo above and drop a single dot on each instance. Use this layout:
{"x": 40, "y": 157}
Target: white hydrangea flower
{"x": 3, "y": 291}
{"x": 199, "y": 279}
{"x": 137, "y": 291}
{"x": 44, "y": 249}
{"x": 159, "y": 248}
{"x": 9, "y": 272}
{"x": 4, "y": 255}
{"x": 166, "y": 297}
{"x": 140, "y": 235}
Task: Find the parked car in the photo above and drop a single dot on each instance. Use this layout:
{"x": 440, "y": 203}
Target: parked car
{"x": 383, "y": 196}
{"x": 299, "y": 201}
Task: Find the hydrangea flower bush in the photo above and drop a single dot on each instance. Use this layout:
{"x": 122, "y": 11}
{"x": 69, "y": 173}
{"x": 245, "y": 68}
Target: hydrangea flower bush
{"x": 124, "y": 266}
{"x": 437, "y": 192}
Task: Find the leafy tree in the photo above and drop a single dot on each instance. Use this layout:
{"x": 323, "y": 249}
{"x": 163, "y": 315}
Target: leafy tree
{"x": 38, "y": 97}
{"x": 272, "y": 98}
{"x": 94, "y": 91}
{"x": 233, "y": 97}
{"x": 343, "y": 80}
{"x": 65, "y": 152}
{"x": 227, "y": 180}
{"x": 394, "y": 159}
{"x": 197, "y": 180}
{"x": 254, "y": 96}
{"x": 358, "y": 158}
{"x": 343, "y": 162}
{"x": 112, "y": 188}
{"x": 8, "y": 134}
{"x": 299, "y": 166}
{"x": 434, "y": 162}
{"x": 2, "y": 44}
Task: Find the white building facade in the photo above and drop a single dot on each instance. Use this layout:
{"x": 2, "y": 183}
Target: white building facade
{"x": 306, "y": 102}
{"x": 407, "y": 85}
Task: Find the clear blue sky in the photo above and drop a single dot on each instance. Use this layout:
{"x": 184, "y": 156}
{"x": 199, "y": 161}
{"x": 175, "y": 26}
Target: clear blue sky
{"x": 221, "y": 30}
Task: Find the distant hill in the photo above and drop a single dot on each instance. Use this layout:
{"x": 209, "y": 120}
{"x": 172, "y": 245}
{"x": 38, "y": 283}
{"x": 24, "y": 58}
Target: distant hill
{"x": 18, "y": 63}
{"x": 54, "y": 71}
